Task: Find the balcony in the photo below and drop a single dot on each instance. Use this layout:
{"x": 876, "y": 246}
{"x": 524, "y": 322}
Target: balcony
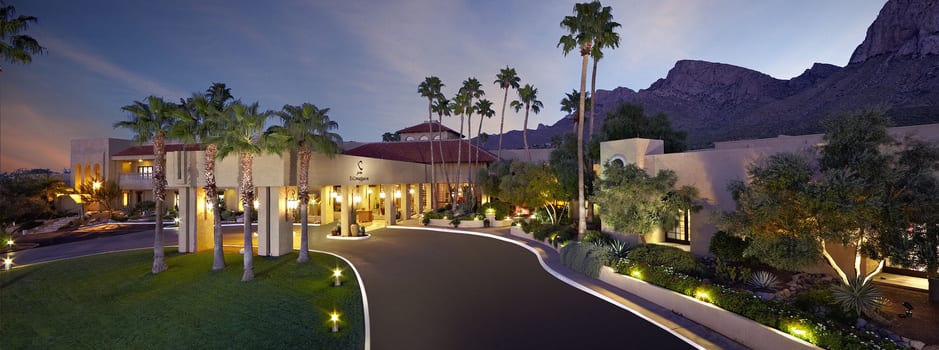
{"x": 136, "y": 181}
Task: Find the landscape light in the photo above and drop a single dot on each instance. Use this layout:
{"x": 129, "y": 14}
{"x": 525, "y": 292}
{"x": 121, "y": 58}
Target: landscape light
{"x": 636, "y": 273}
{"x": 7, "y": 263}
{"x": 337, "y": 273}
{"x": 10, "y": 243}
{"x": 334, "y": 317}
{"x": 702, "y": 294}
{"x": 96, "y": 185}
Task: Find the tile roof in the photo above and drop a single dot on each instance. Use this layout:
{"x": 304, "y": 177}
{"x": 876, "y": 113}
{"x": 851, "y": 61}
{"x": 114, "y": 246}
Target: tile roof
{"x": 419, "y": 151}
{"x": 425, "y": 127}
{"x": 147, "y": 150}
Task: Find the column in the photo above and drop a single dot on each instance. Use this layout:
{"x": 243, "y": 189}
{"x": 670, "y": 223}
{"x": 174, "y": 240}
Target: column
{"x": 185, "y": 233}
{"x": 280, "y": 230}
{"x": 202, "y": 225}
{"x": 405, "y": 201}
{"x": 390, "y": 209}
{"x": 263, "y": 198}
{"x": 326, "y": 205}
{"x": 344, "y": 212}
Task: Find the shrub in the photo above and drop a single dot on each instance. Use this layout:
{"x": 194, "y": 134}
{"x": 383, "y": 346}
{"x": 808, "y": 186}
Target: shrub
{"x": 731, "y": 273}
{"x": 660, "y": 255}
{"x": 119, "y": 218}
{"x": 763, "y": 280}
{"x": 595, "y": 236}
{"x": 530, "y": 227}
{"x": 584, "y": 258}
{"x": 433, "y": 215}
{"x": 501, "y": 209}
{"x": 557, "y": 234}
{"x": 425, "y": 220}
{"x": 727, "y": 247}
{"x": 455, "y": 222}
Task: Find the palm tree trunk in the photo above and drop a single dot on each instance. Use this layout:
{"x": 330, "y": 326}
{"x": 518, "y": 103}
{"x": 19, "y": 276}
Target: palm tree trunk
{"x": 433, "y": 170}
{"x": 247, "y": 199}
{"x": 581, "y": 212}
{"x": 159, "y": 196}
{"x": 446, "y": 172}
{"x": 525, "y": 133}
{"x": 303, "y": 178}
{"x": 505, "y": 99}
{"x": 593, "y": 97}
{"x": 459, "y": 161}
{"x": 476, "y": 167}
{"x": 211, "y": 191}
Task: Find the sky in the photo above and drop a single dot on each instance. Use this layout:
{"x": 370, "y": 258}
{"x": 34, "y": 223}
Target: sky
{"x": 363, "y": 59}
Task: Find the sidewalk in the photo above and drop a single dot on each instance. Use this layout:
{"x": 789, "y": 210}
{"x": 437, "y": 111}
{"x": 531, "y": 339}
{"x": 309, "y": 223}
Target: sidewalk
{"x": 687, "y": 328}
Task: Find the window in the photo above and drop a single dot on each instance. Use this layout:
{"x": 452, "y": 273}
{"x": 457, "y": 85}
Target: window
{"x": 681, "y": 233}
{"x": 424, "y": 138}
{"x": 145, "y": 171}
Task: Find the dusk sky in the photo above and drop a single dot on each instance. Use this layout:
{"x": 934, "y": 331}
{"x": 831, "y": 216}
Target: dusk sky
{"x": 364, "y": 59}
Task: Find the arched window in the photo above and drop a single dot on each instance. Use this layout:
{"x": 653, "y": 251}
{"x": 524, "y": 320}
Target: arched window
{"x": 424, "y": 138}
{"x": 409, "y": 138}
{"x": 618, "y": 160}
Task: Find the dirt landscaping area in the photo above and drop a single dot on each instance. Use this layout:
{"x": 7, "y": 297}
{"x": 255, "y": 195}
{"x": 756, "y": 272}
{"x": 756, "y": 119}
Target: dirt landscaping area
{"x": 923, "y": 325}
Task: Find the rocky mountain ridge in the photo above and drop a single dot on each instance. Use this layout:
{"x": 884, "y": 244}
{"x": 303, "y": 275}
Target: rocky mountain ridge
{"x": 896, "y": 69}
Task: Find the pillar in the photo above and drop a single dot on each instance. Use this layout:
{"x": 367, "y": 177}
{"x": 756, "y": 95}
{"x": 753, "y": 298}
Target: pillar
{"x": 345, "y": 212}
{"x": 187, "y": 221}
{"x": 406, "y": 201}
{"x": 390, "y": 208}
{"x": 326, "y": 204}
{"x": 275, "y": 233}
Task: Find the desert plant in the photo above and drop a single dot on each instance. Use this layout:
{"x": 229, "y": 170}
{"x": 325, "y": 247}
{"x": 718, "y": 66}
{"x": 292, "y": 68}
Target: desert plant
{"x": 617, "y": 249}
{"x": 426, "y": 220}
{"x": 763, "y": 280}
{"x": 731, "y": 273}
{"x": 595, "y": 236}
{"x": 727, "y": 247}
{"x": 859, "y": 296}
{"x": 455, "y": 222}
{"x": 585, "y": 258}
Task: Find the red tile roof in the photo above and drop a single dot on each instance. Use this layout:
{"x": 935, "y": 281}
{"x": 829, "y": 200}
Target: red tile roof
{"x": 419, "y": 151}
{"x": 147, "y": 150}
{"x": 425, "y": 127}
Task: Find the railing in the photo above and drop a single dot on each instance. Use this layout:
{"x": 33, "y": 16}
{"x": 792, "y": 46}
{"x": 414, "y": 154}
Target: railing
{"x": 136, "y": 181}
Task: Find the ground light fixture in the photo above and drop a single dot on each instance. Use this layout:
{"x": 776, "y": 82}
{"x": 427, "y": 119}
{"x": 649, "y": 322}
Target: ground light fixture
{"x": 10, "y": 243}
{"x": 636, "y": 274}
{"x": 337, "y": 274}
{"x": 7, "y": 263}
{"x": 334, "y": 318}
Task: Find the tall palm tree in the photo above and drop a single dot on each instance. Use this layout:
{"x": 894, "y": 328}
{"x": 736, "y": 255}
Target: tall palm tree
{"x": 571, "y": 102}
{"x": 506, "y": 79}
{"x": 528, "y": 99}
{"x": 201, "y": 118}
{"x": 606, "y": 37}
{"x": 16, "y": 47}
{"x": 582, "y": 29}
{"x": 484, "y": 108}
{"x": 151, "y": 121}
{"x": 431, "y": 88}
{"x": 441, "y": 105}
{"x": 472, "y": 88}
{"x": 241, "y": 133}
{"x": 458, "y": 106}
{"x": 307, "y": 129}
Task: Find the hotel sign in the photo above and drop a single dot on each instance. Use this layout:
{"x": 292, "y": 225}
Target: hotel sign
{"x": 359, "y": 172}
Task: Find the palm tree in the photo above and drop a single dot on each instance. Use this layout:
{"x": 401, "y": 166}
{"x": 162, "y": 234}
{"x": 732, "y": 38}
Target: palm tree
{"x": 199, "y": 121}
{"x": 607, "y": 37}
{"x": 472, "y": 89}
{"x": 307, "y": 129}
{"x": 571, "y": 102}
{"x": 151, "y": 121}
{"x": 582, "y": 29}
{"x": 442, "y": 107}
{"x": 528, "y": 99}
{"x": 16, "y": 47}
{"x": 431, "y": 88}
{"x": 484, "y": 108}
{"x": 241, "y": 133}
{"x": 506, "y": 79}
{"x": 458, "y": 106}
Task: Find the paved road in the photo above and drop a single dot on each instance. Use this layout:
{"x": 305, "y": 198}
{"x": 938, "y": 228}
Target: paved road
{"x": 134, "y": 240}
{"x": 432, "y": 290}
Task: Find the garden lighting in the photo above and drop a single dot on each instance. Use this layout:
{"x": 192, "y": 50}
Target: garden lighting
{"x": 337, "y": 273}
{"x": 334, "y": 318}
{"x": 7, "y": 263}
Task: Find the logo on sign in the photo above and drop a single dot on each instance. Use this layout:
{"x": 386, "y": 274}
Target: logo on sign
{"x": 359, "y": 173}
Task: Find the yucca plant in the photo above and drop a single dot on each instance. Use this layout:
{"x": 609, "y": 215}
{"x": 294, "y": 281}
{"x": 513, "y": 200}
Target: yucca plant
{"x": 859, "y": 296}
{"x": 763, "y": 280}
{"x": 618, "y": 249}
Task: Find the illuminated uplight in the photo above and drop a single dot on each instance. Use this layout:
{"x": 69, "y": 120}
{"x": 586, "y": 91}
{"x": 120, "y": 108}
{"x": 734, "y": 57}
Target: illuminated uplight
{"x": 490, "y": 211}
{"x": 702, "y": 294}
{"x": 7, "y": 263}
{"x": 10, "y": 243}
{"x": 293, "y": 204}
{"x": 96, "y": 185}
{"x": 256, "y": 204}
{"x": 334, "y": 318}
{"x": 411, "y": 191}
{"x": 636, "y": 273}
{"x": 337, "y": 273}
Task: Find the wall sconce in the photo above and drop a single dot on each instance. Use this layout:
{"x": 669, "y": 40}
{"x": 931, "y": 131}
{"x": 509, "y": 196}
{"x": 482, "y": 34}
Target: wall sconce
{"x": 356, "y": 199}
{"x": 96, "y": 185}
{"x": 292, "y": 201}
{"x": 256, "y": 204}
{"x": 381, "y": 195}
{"x": 368, "y": 191}
{"x": 411, "y": 191}
{"x": 397, "y": 194}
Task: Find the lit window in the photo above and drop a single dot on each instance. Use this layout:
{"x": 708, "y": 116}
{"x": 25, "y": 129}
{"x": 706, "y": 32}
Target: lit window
{"x": 681, "y": 233}
{"x": 145, "y": 170}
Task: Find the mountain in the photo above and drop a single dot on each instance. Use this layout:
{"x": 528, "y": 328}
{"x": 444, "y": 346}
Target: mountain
{"x": 895, "y": 68}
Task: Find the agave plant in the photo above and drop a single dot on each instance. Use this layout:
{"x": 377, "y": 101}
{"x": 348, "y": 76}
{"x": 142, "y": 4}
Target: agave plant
{"x": 860, "y": 296}
{"x": 763, "y": 280}
{"x": 617, "y": 249}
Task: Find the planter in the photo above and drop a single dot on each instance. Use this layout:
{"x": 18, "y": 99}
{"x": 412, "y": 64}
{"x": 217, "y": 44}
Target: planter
{"x": 440, "y": 222}
{"x": 500, "y": 223}
{"x": 739, "y": 328}
{"x": 471, "y": 224}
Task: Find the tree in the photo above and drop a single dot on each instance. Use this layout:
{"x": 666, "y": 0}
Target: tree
{"x": 630, "y": 121}
{"x": 484, "y": 108}
{"x": 633, "y": 202}
{"x": 151, "y": 121}
{"x": 564, "y": 164}
{"x": 532, "y": 186}
{"x": 570, "y": 103}
{"x": 582, "y": 28}
{"x": 506, "y": 79}
{"x": 26, "y": 195}
{"x": 14, "y": 46}
{"x": 527, "y": 98}
{"x": 471, "y": 89}
{"x": 395, "y": 137}
{"x": 306, "y": 129}
{"x": 241, "y": 133}
{"x": 441, "y": 106}
{"x": 431, "y": 89}
{"x": 913, "y": 237}
{"x": 102, "y": 192}
{"x": 199, "y": 121}
{"x": 606, "y": 37}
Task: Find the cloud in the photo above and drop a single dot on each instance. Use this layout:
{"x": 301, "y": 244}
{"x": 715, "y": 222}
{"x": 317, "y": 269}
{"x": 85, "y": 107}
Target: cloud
{"x": 36, "y": 140}
{"x": 110, "y": 70}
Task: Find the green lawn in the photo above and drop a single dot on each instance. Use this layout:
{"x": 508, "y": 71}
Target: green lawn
{"x": 112, "y": 301}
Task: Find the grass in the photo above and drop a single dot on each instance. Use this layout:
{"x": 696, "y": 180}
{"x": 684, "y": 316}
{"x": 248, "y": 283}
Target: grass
{"x": 112, "y": 301}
